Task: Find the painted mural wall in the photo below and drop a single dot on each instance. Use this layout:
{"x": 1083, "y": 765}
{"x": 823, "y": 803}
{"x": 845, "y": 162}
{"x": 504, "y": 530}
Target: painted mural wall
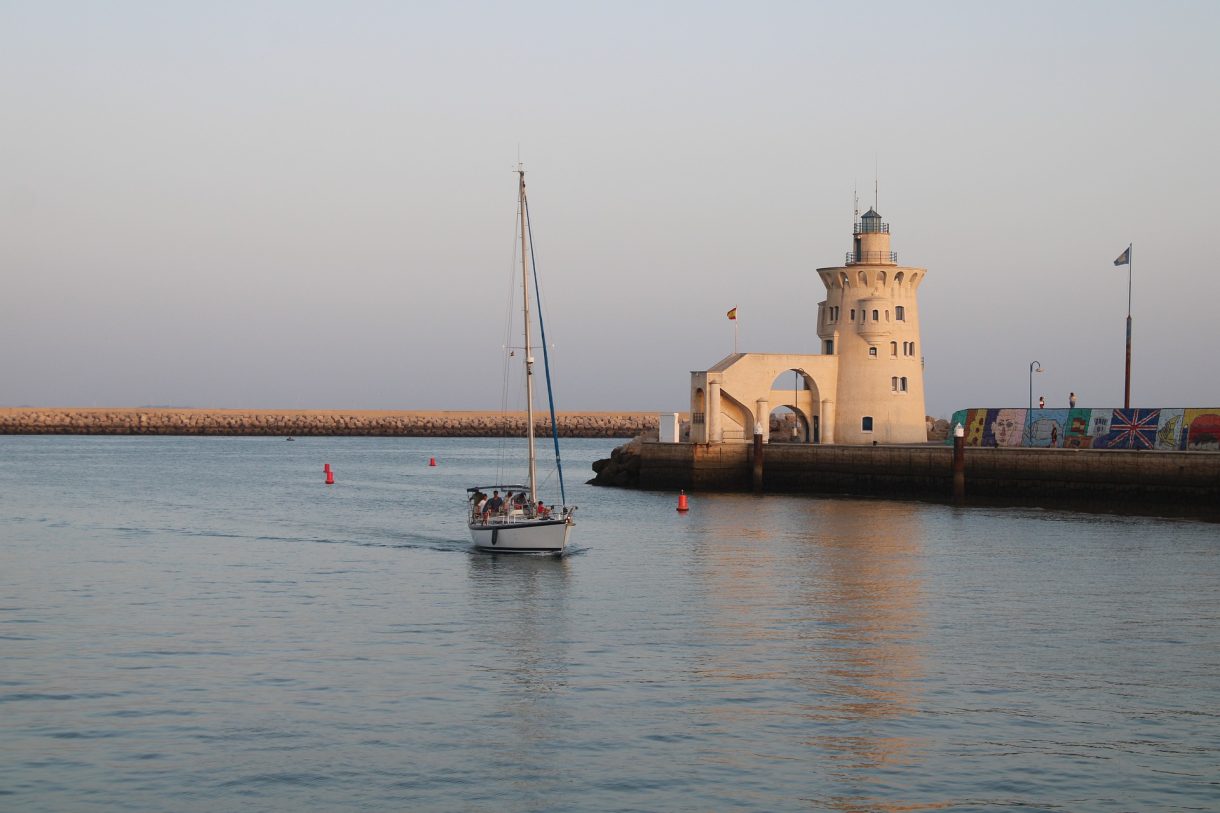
{"x": 1170, "y": 428}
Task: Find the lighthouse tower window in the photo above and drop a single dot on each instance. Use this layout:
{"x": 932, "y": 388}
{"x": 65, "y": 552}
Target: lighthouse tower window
{"x": 830, "y": 347}
{"x": 866, "y": 423}
{"x": 872, "y": 352}
{"x": 900, "y": 313}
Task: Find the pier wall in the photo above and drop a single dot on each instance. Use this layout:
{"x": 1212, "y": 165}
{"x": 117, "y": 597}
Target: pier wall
{"x": 137, "y": 421}
{"x": 1183, "y": 429}
{"x": 1084, "y": 475}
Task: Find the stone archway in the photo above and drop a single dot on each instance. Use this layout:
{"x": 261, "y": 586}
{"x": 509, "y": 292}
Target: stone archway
{"x": 788, "y": 425}
{"x": 797, "y": 391}
{"x": 743, "y": 389}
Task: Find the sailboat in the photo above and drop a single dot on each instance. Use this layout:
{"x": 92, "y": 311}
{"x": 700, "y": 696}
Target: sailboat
{"x": 511, "y": 517}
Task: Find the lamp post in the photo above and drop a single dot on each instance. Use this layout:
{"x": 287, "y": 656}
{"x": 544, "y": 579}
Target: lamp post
{"x": 959, "y": 463}
{"x": 1034, "y": 367}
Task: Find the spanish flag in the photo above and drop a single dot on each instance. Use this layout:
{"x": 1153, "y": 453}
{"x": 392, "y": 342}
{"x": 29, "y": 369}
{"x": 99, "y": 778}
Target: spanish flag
{"x": 732, "y": 314}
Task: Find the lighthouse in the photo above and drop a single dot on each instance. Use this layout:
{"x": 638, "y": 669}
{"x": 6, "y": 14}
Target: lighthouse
{"x": 870, "y": 322}
{"x": 864, "y": 387}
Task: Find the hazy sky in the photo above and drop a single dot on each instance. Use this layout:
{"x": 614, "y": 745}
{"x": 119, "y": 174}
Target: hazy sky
{"x": 310, "y": 205}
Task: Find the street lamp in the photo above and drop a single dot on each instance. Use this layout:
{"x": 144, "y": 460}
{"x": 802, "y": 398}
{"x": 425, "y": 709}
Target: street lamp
{"x": 1034, "y": 367}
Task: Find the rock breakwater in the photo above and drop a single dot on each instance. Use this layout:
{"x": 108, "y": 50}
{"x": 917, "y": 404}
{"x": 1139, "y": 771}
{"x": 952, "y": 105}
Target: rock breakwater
{"x": 158, "y": 421}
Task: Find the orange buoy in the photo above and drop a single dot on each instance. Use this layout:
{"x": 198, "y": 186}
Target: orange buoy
{"x": 431, "y": 461}
{"x": 330, "y": 475}
{"x": 682, "y": 501}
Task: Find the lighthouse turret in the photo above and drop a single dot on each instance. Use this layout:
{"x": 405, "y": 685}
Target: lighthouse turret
{"x": 871, "y": 242}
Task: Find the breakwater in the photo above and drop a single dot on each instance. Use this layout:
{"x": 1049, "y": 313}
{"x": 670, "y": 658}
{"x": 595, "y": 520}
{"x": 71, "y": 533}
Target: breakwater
{"x": 160, "y": 421}
{"x": 1133, "y": 479}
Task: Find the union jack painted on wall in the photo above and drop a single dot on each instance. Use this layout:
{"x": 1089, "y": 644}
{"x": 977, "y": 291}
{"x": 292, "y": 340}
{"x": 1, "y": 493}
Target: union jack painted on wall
{"x": 1131, "y": 429}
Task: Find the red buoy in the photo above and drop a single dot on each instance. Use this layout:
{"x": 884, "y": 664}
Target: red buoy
{"x": 330, "y": 475}
{"x": 682, "y": 501}
{"x": 431, "y": 461}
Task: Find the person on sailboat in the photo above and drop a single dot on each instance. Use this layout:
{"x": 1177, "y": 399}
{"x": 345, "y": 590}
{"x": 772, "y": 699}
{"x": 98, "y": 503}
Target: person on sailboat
{"x": 543, "y": 511}
{"x": 492, "y": 506}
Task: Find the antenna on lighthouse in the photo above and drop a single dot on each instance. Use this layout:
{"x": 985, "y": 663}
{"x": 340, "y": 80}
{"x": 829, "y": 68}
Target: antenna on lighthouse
{"x": 855, "y": 197}
{"x": 876, "y": 185}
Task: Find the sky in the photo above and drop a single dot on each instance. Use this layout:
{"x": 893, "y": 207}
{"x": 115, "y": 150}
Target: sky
{"x": 303, "y": 205}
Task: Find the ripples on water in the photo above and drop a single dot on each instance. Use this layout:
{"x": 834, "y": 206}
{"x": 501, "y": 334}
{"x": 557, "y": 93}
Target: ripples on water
{"x": 199, "y": 624}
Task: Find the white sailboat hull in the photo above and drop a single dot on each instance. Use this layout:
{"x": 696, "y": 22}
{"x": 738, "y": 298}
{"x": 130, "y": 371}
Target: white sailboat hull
{"x": 525, "y": 536}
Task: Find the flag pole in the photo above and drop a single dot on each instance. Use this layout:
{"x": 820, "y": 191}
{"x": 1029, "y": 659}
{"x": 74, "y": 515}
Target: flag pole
{"x": 734, "y": 336}
{"x": 1127, "y": 380}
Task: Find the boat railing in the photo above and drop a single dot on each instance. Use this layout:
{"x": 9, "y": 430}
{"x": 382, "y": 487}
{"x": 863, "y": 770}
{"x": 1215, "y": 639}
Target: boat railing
{"x": 514, "y": 516}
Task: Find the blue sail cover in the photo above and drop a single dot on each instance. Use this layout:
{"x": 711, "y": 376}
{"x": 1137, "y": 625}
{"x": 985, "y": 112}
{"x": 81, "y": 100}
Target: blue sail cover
{"x": 546, "y": 357}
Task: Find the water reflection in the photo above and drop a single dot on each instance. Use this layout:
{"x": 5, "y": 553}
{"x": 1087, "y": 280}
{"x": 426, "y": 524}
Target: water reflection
{"x": 518, "y": 615}
{"x": 816, "y": 609}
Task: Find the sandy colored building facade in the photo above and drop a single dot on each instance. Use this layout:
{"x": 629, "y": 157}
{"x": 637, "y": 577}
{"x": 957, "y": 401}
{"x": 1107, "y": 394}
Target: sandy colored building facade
{"x": 866, "y": 386}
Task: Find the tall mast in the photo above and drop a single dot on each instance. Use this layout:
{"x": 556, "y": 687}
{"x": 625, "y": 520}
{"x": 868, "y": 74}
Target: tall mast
{"x": 529, "y": 357}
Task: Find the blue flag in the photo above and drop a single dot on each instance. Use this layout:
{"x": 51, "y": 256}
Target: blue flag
{"x": 1124, "y": 258}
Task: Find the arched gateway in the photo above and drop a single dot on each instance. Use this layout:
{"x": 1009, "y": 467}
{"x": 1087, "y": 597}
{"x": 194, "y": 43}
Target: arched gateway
{"x": 732, "y": 398}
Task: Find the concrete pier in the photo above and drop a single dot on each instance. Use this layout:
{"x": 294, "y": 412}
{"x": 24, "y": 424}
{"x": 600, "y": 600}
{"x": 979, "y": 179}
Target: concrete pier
{"x": 1189, "y": 480}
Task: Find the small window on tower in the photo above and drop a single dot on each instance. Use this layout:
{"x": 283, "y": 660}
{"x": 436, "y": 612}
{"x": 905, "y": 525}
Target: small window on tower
{"x": 866, "y": 423}
{"x": 893, "y": 350}
{"x": 830, "y": 347}
{"x": 900, "y": 313}
{"x": 894, "y": 384}
{"x": 872, "y": 352}
{"x": 853, "y": 314}
{"x": 876, "y": 315}
{"x": 902, "y": 385}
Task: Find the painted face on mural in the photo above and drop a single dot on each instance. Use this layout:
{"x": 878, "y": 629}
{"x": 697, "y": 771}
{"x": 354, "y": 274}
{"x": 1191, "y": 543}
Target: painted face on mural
{"x": 1007, "y": 427}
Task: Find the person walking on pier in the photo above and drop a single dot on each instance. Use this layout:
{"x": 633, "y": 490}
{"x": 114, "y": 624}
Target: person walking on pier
{"x": 1072, "y": 400}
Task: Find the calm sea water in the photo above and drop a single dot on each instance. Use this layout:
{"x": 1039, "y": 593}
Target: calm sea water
{"x": 199, "y": 624}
